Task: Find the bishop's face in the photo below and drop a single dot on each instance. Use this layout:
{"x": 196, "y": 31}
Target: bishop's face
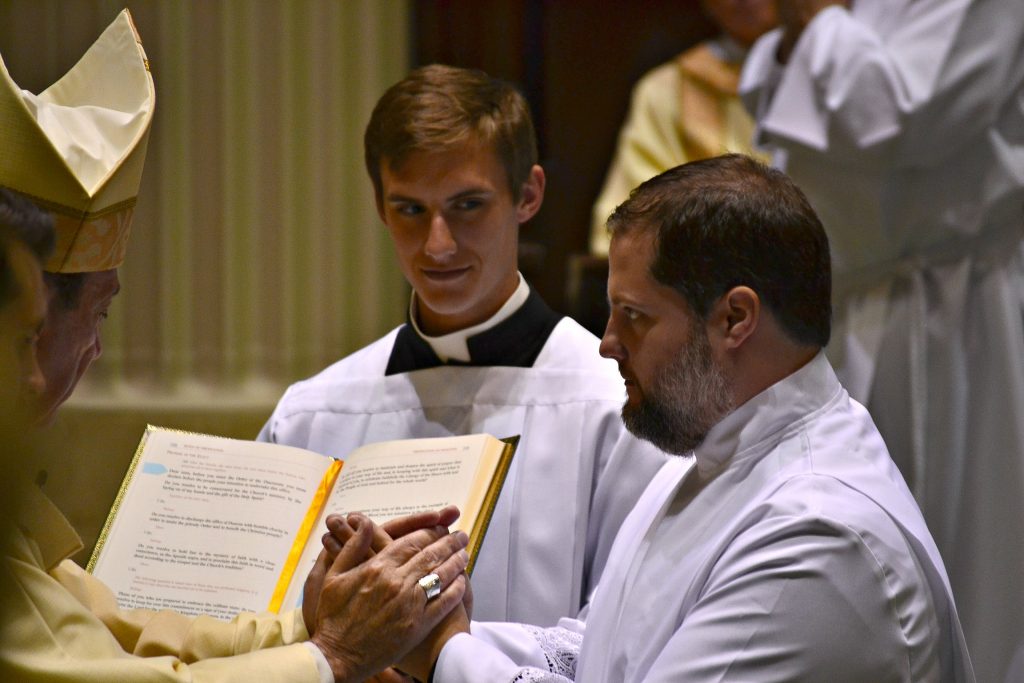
{"x": 676, "y": 391}
{"x": 455, "y": 227}
{"x": 70, "y": 339}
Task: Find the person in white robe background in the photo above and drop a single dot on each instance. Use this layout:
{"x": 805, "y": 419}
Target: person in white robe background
{"x": 453, "y": 160}
{"x": 784, "y": 545}
{"x": 903, "y": 120}
{"x": 685, "y": 109}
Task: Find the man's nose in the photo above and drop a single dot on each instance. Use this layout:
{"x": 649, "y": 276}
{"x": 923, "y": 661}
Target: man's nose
{"x": 440, "y": 242}
{"x": 611, "y": 347}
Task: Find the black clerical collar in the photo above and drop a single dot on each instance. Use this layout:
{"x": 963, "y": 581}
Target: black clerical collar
{"x": 514, "y": 342}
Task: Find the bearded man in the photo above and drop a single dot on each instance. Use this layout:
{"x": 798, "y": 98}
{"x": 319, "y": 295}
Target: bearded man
{"x": 782, "y": 544}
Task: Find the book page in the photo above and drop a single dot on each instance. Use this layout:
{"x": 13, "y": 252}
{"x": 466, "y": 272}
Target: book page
{"x": 395, "y": 478}
{"x": 207, "y": 523}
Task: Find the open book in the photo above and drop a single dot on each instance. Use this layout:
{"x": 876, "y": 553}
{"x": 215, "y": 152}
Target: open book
{"x": 209, "y": 525}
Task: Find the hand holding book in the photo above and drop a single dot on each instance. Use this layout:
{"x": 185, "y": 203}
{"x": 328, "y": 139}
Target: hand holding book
{"x": 208, "y": 525}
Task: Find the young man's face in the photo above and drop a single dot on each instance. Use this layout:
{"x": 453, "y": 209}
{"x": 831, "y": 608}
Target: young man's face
{"x": 70, "y": 340}
{"x": 21, "y": 319}
{"x": 676, "y": 391}
{"x": 455, "y": 227}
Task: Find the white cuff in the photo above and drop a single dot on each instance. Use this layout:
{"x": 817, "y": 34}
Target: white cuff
{"x": 322, "y": 666}
{"x": 465, "y": 659}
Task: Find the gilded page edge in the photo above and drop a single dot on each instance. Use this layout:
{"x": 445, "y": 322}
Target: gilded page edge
{"x": 483, "y": 519}
{"x": 129, "y": 477}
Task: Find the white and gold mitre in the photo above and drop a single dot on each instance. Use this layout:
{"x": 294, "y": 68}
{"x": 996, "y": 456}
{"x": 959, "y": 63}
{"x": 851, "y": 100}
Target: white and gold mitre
{"x": 78, "y": 147}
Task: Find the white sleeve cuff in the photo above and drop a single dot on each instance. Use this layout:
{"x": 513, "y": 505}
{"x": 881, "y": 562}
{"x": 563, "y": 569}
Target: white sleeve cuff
{"x": 465, "y": 659}
{"x": 322, "y": 667}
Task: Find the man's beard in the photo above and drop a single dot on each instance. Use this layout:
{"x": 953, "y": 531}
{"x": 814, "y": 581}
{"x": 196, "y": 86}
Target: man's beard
{"x": 684, "y": 402}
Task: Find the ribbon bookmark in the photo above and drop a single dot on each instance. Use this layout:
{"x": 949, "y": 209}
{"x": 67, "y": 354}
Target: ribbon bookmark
{"x": 312, "y": 515}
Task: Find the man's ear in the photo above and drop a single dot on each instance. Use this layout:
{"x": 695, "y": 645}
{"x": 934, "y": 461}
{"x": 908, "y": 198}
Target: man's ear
{"x": 531, "y": 195}
{"x": 735, "y": 317}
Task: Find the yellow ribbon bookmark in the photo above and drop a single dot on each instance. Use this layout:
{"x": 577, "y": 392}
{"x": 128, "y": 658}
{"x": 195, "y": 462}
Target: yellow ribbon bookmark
{"x": 285, "y": 580}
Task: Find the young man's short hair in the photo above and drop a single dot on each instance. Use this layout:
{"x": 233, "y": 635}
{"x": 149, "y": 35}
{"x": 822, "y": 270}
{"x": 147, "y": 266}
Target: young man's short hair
{"x": 440, "y": 107}
{"x": 729, "y": 221}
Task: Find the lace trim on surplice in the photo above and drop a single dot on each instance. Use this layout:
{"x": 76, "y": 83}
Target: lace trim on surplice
{"x": 561, "y": 648}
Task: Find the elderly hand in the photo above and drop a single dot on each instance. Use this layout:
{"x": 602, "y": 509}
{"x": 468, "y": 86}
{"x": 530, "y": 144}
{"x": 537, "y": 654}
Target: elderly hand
{"x": 339, "y": 532}
{"x": 794, "y": 15}
{"x": 371, "y": 610}
{"x": 315, "y": 581}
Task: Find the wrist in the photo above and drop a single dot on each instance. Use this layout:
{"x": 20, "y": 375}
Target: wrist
{"x": 342, "y": 668}
{"x": 437, "y": 646}
{"x": 323, "y": 667}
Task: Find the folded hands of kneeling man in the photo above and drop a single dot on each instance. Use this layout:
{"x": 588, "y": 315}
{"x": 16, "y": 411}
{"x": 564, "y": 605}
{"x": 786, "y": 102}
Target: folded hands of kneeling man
{"x": 387, "y": 595}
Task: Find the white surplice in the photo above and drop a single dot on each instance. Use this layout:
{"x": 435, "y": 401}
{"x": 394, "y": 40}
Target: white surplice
{"x": 576, "y": 474}
{"x": 903, "y": 121}
{"x": 803, "y": 557}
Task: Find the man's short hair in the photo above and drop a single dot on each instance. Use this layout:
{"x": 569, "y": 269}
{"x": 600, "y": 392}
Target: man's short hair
{"x": 21, "y": 221}
{"x": 731, "y": 221}
{"x": 438, "y": 107}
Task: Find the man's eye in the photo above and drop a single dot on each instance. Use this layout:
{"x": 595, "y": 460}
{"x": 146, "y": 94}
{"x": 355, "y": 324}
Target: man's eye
{"x": 630, "y": 313}
{"x": 410, "y": 209}
{"x": 468, "y": 204}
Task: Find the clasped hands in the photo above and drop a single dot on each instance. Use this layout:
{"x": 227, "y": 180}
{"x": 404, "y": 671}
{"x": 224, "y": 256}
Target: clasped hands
{"x": 363, "y": 606}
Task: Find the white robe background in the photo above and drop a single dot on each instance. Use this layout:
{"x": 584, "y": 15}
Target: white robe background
{"x": 903, "y": 121}
{"x": 575, "y": 476}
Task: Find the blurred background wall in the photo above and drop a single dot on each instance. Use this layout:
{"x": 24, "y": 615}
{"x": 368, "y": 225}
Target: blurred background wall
{"x": 257, "y": 257}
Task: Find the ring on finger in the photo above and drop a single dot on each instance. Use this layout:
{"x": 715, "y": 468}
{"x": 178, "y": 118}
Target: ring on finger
{"x": 431, "y": 585}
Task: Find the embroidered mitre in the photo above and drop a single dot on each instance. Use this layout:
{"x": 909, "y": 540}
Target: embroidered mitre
{"x": 77, "y": 148}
